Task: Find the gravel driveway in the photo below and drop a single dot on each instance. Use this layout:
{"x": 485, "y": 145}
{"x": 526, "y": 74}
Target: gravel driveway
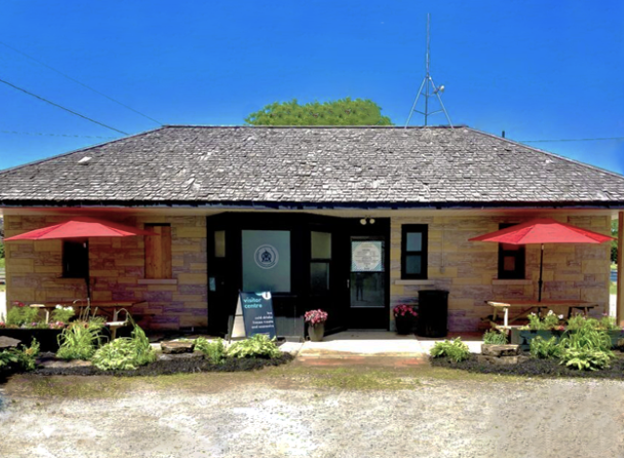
{"x": 310, "y": 412}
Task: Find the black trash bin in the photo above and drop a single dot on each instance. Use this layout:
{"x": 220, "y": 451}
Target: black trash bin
{"x": 432, "y": 313}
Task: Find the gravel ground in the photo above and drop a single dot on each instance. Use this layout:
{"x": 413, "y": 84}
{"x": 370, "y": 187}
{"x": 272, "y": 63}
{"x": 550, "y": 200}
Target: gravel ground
{"x": 309, "y": 412}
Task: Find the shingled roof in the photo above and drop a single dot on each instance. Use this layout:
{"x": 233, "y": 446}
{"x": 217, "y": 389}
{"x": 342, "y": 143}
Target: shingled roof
{"x": 310, "y": 166}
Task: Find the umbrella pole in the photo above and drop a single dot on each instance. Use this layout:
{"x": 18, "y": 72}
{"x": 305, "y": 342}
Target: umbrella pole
{"x": 540, "y": 282}
{"x": 88, "y": 283}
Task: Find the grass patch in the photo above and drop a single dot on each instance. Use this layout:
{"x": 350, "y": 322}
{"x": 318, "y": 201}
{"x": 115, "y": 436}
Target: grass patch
{"x": 613, "y": 287}
{"x": 2, "y": 263}
{"x": 358, "y": 378}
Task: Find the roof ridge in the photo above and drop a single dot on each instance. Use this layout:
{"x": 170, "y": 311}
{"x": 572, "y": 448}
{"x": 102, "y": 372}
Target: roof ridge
{"x": 238, "y": 126}
{"x": 85, "y": 148}
{"x": 547, "y": 153}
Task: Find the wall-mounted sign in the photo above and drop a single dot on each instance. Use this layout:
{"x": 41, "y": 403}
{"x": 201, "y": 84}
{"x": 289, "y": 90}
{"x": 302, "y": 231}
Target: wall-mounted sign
{"x": 366, "y": 256}
{"x": 254, "y": 315}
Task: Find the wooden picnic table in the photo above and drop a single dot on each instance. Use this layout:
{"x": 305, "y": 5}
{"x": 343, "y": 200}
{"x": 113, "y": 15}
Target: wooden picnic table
{"x": 82, "y": 303}
{"x": 528, "y": 306}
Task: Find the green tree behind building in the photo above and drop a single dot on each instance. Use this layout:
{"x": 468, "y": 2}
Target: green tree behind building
{"x": 343, "y": 112}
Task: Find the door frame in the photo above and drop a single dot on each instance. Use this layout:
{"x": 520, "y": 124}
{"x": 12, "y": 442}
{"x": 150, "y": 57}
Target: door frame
{"x": 381, "y": 229}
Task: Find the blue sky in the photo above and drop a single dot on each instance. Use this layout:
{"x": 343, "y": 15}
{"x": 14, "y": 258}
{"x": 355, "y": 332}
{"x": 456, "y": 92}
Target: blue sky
{"x": 536, "y": 69}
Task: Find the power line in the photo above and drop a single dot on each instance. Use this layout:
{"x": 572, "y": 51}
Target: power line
{"x": 81, "y": 83}
{"x": 572, "y": 140}
{"x": 62, "y": 107}
{"x": 50, "y": 134}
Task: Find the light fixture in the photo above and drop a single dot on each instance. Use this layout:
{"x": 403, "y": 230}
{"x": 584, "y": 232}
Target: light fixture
{"x": 363, "y": 221}
{"x": 371, "y": 220}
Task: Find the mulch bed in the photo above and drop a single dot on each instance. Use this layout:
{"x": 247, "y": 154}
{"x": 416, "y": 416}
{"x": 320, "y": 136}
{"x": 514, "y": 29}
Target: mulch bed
{"x": 174, "y": 366}
{"x": 549, "y": 368}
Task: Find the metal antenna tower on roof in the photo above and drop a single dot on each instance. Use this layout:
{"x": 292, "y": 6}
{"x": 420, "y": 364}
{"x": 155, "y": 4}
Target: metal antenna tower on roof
{"x": 428, "y": 88}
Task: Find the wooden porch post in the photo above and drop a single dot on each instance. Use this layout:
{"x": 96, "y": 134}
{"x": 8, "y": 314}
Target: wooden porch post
{"x": 620, "y": 272}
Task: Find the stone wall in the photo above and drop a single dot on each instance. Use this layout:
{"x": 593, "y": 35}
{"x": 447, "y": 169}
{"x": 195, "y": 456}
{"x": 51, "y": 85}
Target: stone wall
{"x": 117, "y": 268}
{"x": 468, "y": 270}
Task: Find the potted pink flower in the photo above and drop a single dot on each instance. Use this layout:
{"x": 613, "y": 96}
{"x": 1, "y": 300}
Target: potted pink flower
{"x": 404, "y": 318}
{"x": 316, "y": 324}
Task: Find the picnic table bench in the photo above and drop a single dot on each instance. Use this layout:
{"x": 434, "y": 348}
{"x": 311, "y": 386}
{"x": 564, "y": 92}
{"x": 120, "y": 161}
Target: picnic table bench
{"x": 528, "y": 306}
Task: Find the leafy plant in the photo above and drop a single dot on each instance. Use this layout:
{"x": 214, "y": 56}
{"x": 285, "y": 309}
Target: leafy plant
{"x": 545, "y": 349}
{"x": 258, "y": 346}
{"x": 24, "y": 357}
{"x": 455, "y": 350}
{"x": 585, "y": 346}
{"x": 214, "y": 351}
{"x": 577, "y": 322}
{"x": 609, "y": 323}
{"x": 495, "y": 337}
{"x": 80, "y": 339}
{"x": 586, "y": 359}
{"x": 125, "y": 353}
{"x": 63, "y": 314}
{"x": 27, "y": 356}
{"x": 549, "y": 322}
{"x": 21, "y": 315}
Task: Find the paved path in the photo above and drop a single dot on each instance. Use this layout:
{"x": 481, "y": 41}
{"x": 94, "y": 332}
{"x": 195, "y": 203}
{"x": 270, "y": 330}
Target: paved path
{"x": 370, "y": 348}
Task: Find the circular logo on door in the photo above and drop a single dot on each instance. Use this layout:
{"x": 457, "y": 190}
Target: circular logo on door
{"x": 266, "y": 256}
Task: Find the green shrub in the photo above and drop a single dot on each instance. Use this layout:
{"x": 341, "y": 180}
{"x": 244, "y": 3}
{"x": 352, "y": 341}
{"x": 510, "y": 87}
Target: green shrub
{"x": 545, "y": 349}
{"x": 20, "y": 315}
{"x": 24, "y": 357}
{"x": 63, "y": 314}
{"x": 494, "y": 337}
{"x": 586, "y": 359}
{"x": 80, "y": 339}
{"x": 455, "y": 350}
{"x": 584, "y": 345}
{"x": 550, "y": 321}
{"x": 258, "y": 346}
{"x": 125, "y": 353}
{"x": 214, "y": 351}
{"x": 609, "y": 323}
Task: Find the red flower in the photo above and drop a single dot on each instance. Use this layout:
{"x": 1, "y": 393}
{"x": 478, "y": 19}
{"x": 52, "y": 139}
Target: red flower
{"x": 19, "y": 304}
{"x": 404, "y": 309}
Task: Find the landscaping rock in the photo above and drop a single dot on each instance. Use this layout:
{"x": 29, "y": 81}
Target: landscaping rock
{"x": 502, "y": 360}
{"x": 180, "y": 356}
{"x": 8, "y": 342}
{"x": 500, "y": 350}
{"x": 174, "y": 347}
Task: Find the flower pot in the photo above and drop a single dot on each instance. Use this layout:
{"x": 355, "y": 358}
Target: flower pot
{"x": 316, "y": 332}
{"x": 405, "y": 325}
{"x": 524, "y": 337}
{"x": 47, "y": 338}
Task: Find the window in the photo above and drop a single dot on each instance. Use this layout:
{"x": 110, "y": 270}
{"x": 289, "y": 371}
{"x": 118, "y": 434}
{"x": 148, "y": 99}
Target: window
{"x": 510, "y": 259}
{"x": 266, "y": 261}
{"x": 219, "y": 244}
{"x": 158, "y": 251}
{"x": 414, "y": 251}
{"x": 75, "y": 259}
{"x": 320, "y": 258}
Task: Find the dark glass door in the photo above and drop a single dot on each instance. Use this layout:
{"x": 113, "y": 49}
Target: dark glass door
{"x": 368, "y": 289}
{"x": 223, "y": 248}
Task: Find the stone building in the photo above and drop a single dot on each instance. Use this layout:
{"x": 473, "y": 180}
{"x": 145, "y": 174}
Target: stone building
{"x": 354, "y": 220}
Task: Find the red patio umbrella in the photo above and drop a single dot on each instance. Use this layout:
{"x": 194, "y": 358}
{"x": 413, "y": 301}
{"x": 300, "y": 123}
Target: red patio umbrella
{"x": 541, "y": 231}
{"x": 80, "y": 228}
